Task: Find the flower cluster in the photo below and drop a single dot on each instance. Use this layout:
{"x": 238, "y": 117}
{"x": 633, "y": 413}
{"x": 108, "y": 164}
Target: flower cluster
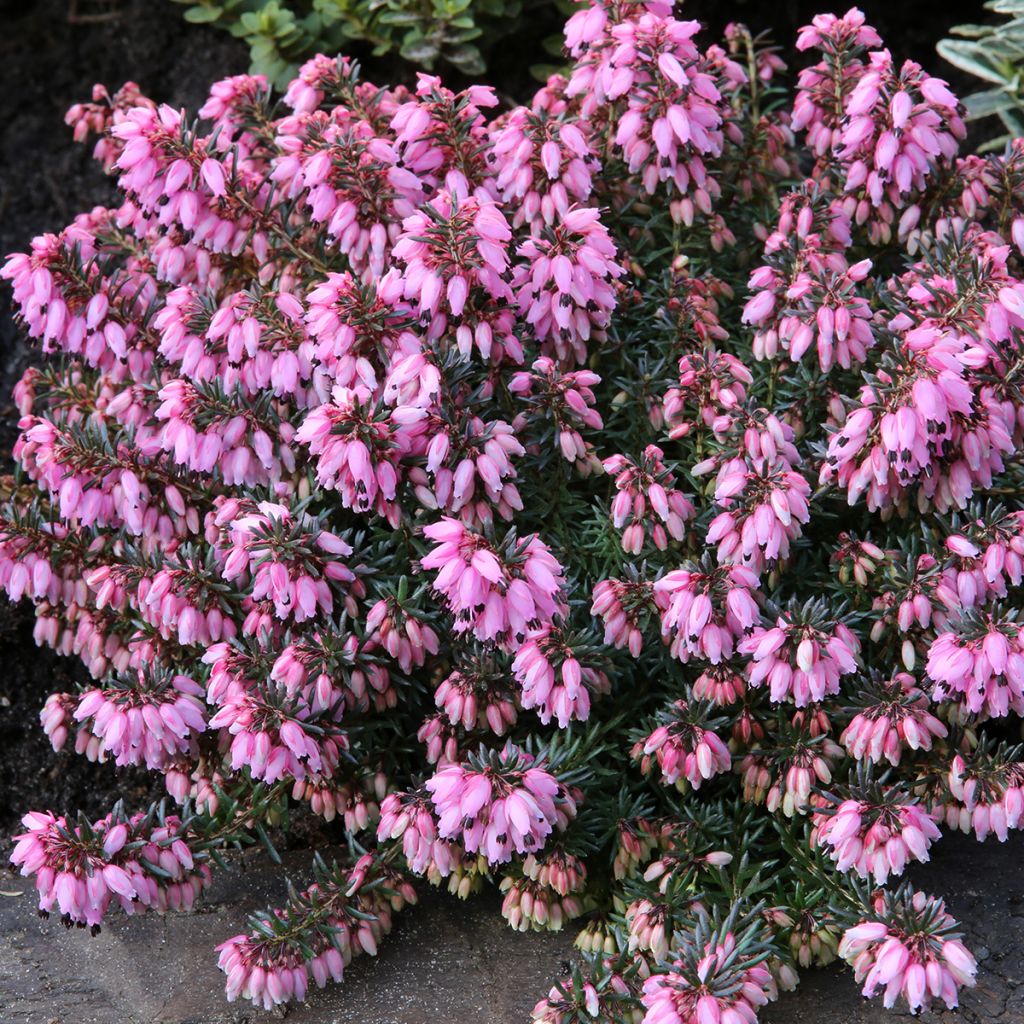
{"x": 765, "y": 504}
{"x": 564, "y": 286}
{"x": 136, "y": 862}
{"x": 801, "y": 658}
{"x": 684, "y": 749}
{"x": 980, "y": 663}
{"x": 909, "y": 948}
{"x": 894, "y": 718}
{"x": 342, "y": 914}
{"x": 647, "y": 500}
{"x": 496, "y": 594}
{"x": 507, "y": 804}
{"x": 877, "y": 834}
{"x": 708, "y": 982}
{"x": 707, "y": 611}
{"x": 554, "y": 679}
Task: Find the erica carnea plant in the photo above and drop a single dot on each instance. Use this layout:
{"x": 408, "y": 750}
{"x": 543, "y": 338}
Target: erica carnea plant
{"x": 613, "y": 498}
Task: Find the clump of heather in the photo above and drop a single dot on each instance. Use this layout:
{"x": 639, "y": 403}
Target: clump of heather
{"x": 602, "y": 498}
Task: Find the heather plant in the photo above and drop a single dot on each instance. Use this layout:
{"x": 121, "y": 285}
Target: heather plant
{"x": 612, "y": 498}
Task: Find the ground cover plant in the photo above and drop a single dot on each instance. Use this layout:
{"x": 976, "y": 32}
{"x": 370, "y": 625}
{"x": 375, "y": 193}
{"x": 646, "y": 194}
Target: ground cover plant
{"x": 994, "y": 55}
{"x": 282, "y": 33}
{"x": 612, "y": 498}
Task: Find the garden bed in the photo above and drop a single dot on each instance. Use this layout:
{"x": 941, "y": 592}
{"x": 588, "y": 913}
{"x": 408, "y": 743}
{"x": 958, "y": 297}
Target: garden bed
{"x": 473, "y": 973}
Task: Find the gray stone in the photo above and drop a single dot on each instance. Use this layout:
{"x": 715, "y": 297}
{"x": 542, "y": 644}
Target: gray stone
{"x": 447, "y": 962}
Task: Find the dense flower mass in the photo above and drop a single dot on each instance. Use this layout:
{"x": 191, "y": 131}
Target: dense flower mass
{"x": 495, "y": 597}
{"x": 604, "y": 497}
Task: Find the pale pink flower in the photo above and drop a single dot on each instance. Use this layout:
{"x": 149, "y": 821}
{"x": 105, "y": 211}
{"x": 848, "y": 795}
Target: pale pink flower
{"x": 685, "y": 749}
{"x": 647, "y": 500}
{"x": 802, "y": 657}
{"x": 624, "y": 606}
{"x": 909, "y": 948}
{"x": 708, "y": 981}
{"x": 564, "y": 283}
{"x": 557, "y": 673}
{"x": 498, "y": 593}
{"x": 707, "y": 609}
{"x": 498, "y": 804}
{"x": 877, "y": 835}
{"x": 979, "y": 662}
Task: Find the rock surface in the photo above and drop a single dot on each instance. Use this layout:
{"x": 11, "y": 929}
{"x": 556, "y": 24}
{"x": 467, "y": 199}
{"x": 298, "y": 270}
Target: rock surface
{"x": 446, "y": 963}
